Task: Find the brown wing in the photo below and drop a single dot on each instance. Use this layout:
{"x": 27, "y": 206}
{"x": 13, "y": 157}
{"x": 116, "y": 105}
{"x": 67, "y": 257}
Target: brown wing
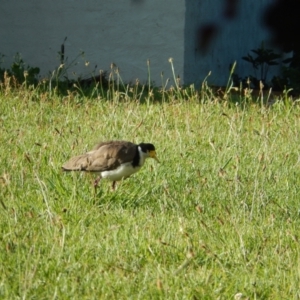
{"x": 105, "y": 156}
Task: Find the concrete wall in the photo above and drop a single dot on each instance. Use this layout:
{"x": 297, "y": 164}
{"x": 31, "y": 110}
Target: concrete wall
{"x": 128, "y": 33}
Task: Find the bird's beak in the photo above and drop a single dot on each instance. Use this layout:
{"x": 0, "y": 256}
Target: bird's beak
{"x": 153, "y": 155}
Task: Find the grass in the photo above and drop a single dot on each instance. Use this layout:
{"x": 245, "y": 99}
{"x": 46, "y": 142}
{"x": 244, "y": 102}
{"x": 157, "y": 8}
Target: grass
{"x": 219, "y": 218}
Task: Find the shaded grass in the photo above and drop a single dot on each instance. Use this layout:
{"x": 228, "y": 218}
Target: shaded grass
{"x": 219, "y": 216}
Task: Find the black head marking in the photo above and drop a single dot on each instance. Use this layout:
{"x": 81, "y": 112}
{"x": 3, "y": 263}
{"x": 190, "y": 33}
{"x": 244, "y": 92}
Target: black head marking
{"x": 147, "y": 147}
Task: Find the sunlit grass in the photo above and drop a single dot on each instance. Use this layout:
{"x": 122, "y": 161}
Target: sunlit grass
{"x": 219, "y": 216}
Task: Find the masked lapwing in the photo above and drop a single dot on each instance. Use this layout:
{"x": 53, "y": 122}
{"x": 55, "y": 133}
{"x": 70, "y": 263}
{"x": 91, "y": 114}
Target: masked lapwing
{"x": 113, "y": 160}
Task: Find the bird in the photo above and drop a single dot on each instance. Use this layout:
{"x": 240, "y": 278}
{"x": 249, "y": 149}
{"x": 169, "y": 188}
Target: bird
{"x": 113, "y": 160}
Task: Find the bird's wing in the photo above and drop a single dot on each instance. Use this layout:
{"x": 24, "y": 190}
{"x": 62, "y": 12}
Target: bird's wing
{"x": 105, "y": 156}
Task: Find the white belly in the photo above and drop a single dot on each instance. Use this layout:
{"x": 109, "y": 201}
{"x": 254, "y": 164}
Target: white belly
{"x": 122, "y": 172}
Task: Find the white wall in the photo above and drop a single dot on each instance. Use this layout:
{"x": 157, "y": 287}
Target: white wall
{"x": 127, "y": 33}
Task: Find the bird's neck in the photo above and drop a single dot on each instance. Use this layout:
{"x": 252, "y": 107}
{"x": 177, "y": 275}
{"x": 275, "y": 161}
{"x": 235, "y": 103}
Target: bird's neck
{"x": 139, "y": 158}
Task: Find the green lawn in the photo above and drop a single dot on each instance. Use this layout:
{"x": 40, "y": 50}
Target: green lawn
{"x": 220, "y": 215}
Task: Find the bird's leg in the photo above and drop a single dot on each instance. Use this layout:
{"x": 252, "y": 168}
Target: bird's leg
{"x": 114, "y": 185}
{"x": 96, "y": 183}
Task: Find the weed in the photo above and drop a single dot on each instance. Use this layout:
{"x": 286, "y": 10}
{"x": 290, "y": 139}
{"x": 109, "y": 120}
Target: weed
{"x": 21, "y": 72}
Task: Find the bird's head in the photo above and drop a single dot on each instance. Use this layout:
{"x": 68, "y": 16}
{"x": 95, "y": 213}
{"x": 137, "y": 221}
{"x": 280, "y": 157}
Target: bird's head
{"x": 149, "y": 149}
